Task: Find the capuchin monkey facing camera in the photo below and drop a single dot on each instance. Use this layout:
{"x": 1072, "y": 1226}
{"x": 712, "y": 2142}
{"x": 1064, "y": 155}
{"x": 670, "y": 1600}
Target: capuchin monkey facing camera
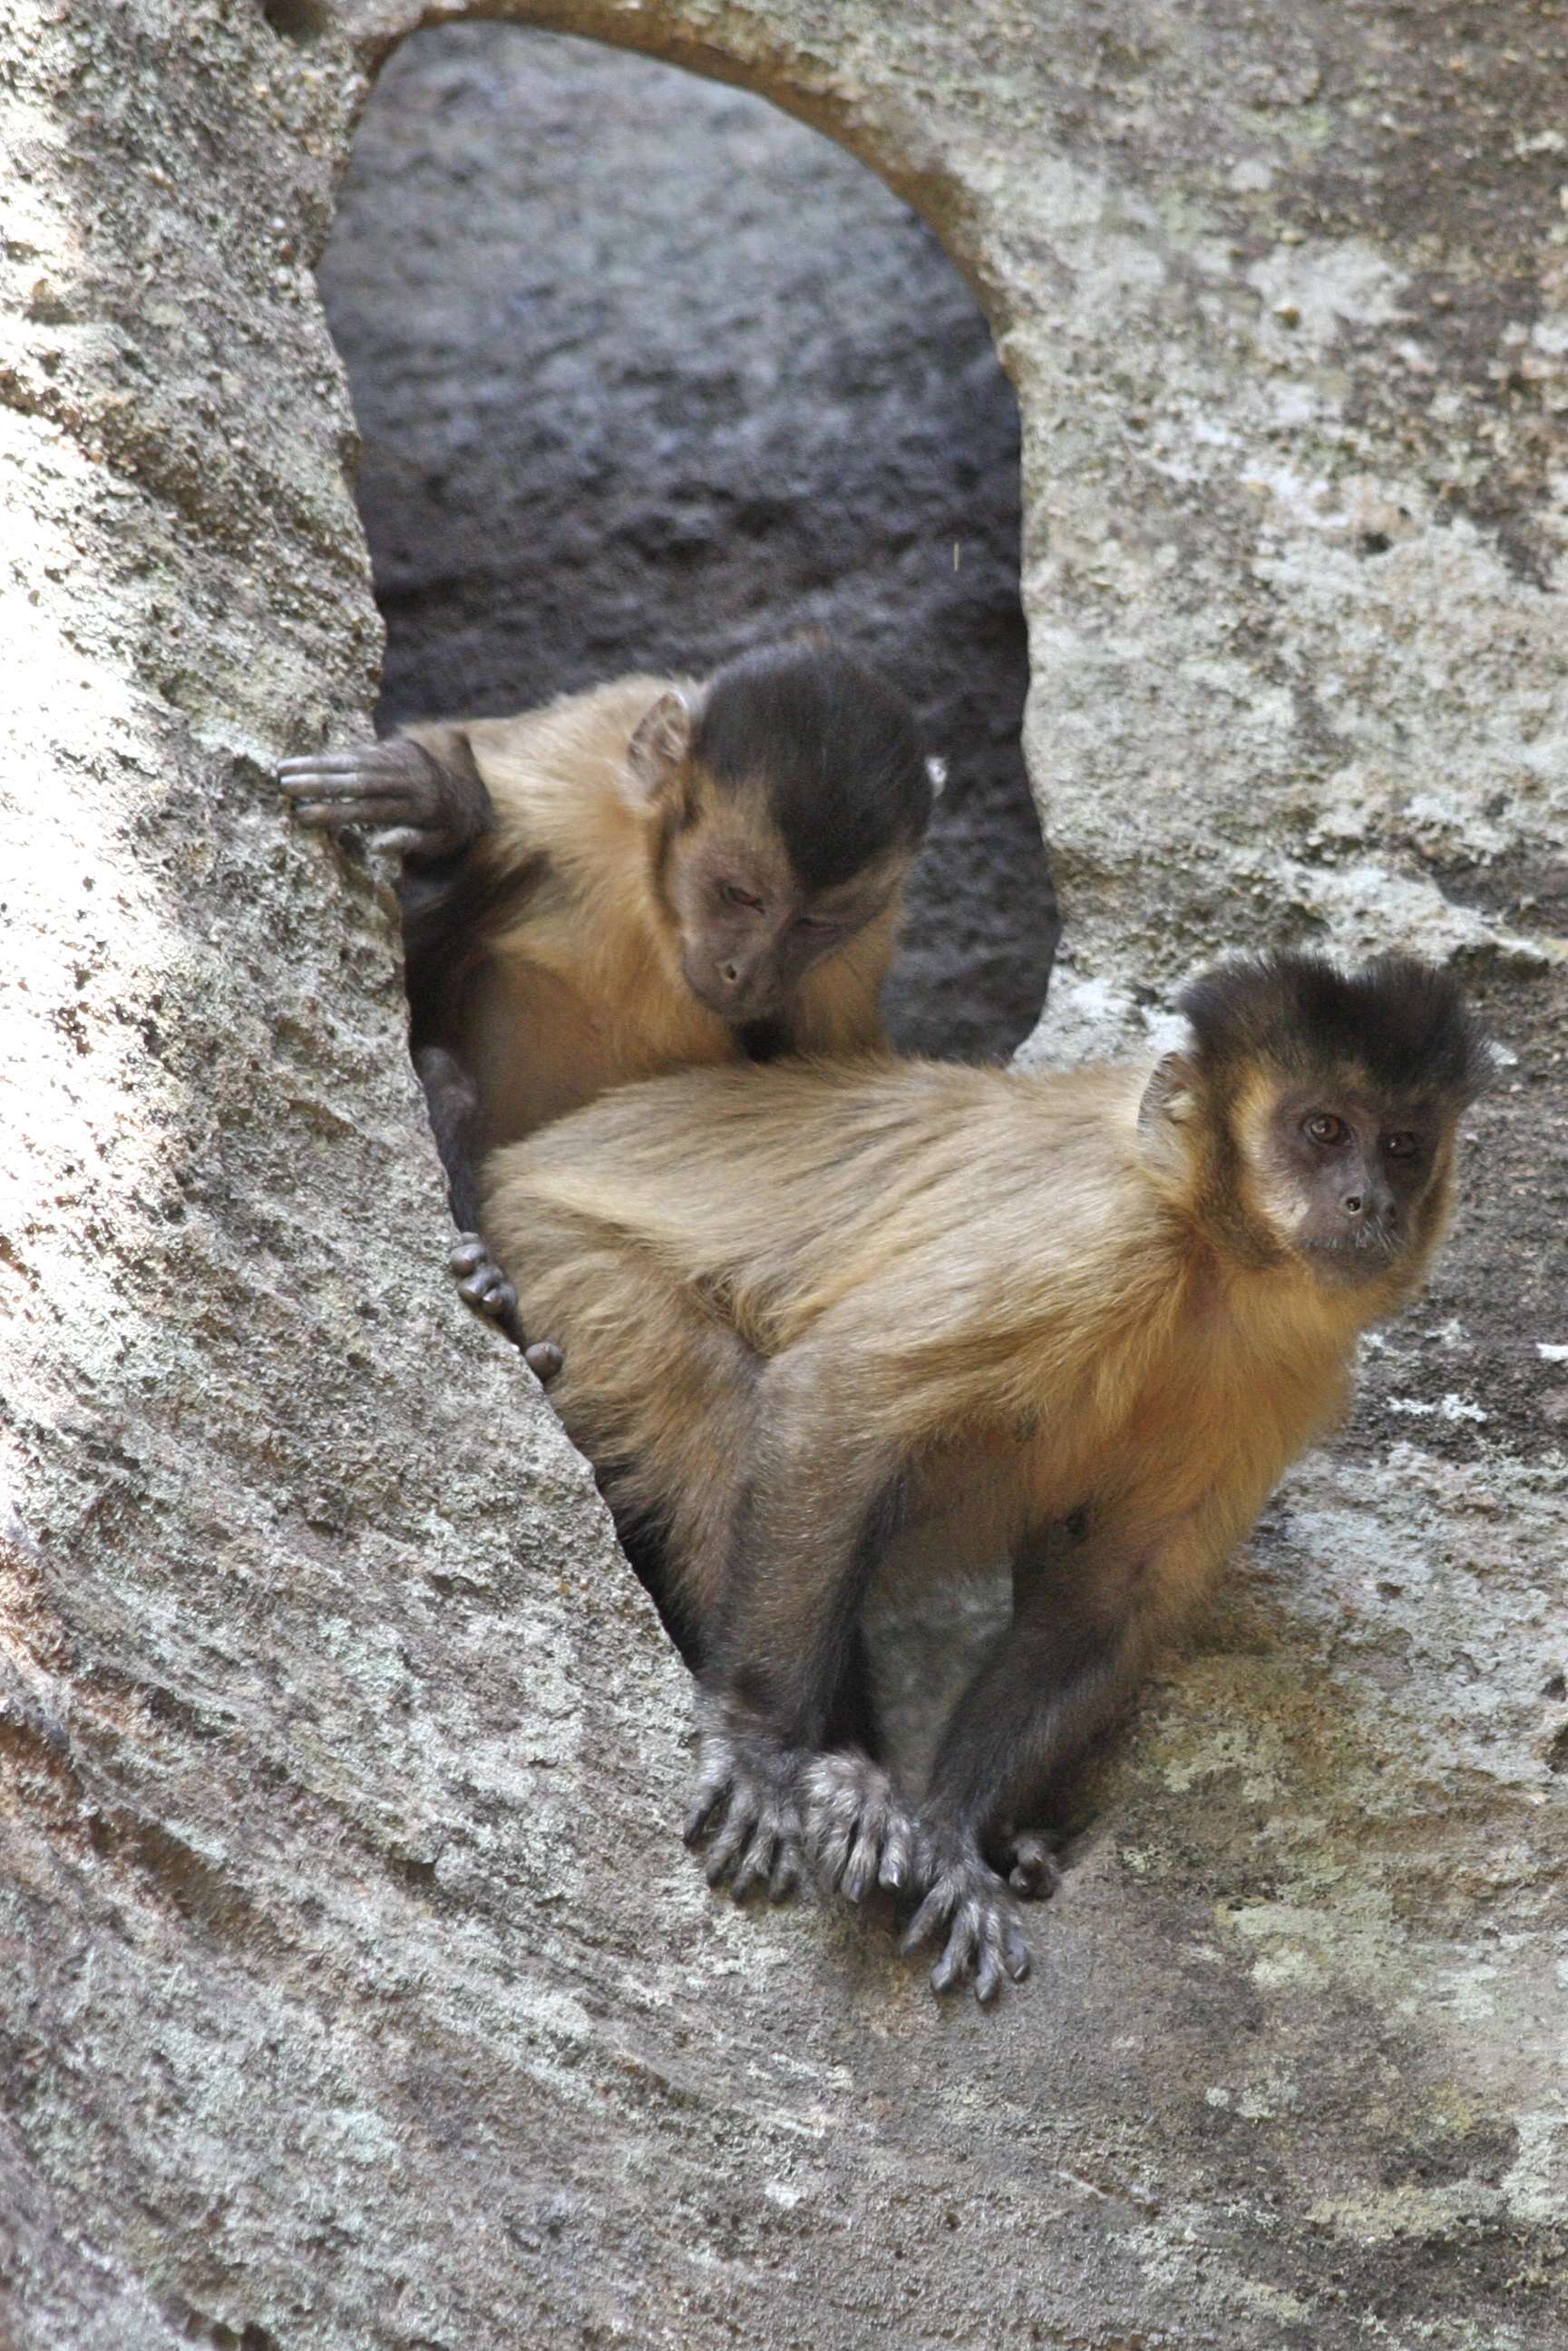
{"x": 822, "y": 1324}
{"x": 655, "y": 874}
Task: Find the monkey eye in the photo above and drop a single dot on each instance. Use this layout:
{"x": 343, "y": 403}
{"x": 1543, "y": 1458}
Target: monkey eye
{"x": 734, "y": 895}
{"x": 816, "y": 922}
{"x": 1402, "y": 1146}
{"x": 1324, "y": 1128}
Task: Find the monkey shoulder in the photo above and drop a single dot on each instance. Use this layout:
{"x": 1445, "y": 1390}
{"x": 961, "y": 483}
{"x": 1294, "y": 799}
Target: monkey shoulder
{"x": 550, "y": 752}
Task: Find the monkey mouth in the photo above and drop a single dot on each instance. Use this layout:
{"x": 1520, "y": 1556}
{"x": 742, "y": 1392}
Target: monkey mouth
{"x": 1352, "y": 1257}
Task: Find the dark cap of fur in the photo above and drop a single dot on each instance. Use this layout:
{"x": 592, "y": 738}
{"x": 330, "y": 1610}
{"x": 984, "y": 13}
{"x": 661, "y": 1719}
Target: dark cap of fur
{"x": 834, "y": 747}
{"x": 1404, "y": 1021}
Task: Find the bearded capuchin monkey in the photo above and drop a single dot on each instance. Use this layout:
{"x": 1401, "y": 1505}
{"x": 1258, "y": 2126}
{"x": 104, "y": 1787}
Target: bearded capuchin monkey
{"x": 823, "y": 1320}
{"x": 653, "y": 874}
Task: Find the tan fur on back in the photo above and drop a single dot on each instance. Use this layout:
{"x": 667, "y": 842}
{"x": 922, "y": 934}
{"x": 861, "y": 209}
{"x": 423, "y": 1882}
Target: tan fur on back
{"x": 1030, "y": 1310}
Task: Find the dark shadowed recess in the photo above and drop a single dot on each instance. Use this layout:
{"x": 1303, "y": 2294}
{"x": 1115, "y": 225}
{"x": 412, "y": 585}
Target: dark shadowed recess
{"x": 647, "y": 373}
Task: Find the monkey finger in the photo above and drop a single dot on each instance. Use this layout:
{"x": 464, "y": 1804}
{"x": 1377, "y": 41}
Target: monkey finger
{"x": 469, "y": 1252}
{"x": 545, "y": 1360}
{"x": 754, "y": 1866}
{"x": 355, "y": 797}
{"x": 988, "y": 1970}
{"x": 859, "y": 1872}
{"x": 407, "y": 840}
{"x": 490, "y": 1291}
{"x": 897, "y": 1859}
{"x": 712, "y": 1791}
{"x": 1015, "y": 1951}
{"x": 785, "y": 1875}
{"x": 319, "y": 813}
{"x": 369, "y": 771}
{"x": 932, "y": 1915}
{"x": 960, "y": 1953}
{"x": 325, "y": 763}
{"x": 731, "y": 1842}
{"x": 831, "y": 1843}
{"x": 765, "y": 1861}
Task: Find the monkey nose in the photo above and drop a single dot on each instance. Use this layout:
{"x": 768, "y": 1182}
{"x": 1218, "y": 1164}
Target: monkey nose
{"x": 730, "y": 974}
{"x": 1353, "y": 1203}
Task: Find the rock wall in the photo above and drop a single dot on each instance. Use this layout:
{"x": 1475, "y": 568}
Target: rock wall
{"x": 357, "y": 1991}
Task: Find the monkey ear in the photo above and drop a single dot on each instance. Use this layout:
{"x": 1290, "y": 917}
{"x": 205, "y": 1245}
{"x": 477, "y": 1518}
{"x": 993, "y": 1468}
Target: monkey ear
{"x": 1171, "y": 1094}
{"x": 659, "y": 743}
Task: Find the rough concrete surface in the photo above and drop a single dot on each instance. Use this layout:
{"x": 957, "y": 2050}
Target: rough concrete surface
{"x": 356, "y": 1991}
{"x": 647, "y": 373}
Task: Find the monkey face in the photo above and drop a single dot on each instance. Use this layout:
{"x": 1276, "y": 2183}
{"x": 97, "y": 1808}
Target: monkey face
{"x": 749, "y": 929}
{"x": 791, "y": 795}
{"x": 1317, "y": 1110}
{"x": 1347, "y": 1179}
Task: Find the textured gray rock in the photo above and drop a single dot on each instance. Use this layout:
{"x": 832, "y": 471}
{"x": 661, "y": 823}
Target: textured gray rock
{"x": 356, "y": 1990}
{"x": 646, "y": 373}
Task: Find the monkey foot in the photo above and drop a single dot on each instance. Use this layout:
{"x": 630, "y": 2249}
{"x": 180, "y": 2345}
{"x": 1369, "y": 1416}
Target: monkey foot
{"x": 1030, "y": 1865}
{"x": 483, "y": 1286}
{"x": 746, "y": 1810}
{"x": 480, "y": 1280}
{"x": 969, "y": 1907}
{"x": 860, "y": 1836}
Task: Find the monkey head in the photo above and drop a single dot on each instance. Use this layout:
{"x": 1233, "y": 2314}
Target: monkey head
{"x": 790, "y": 795}
{"x": 1318, "y": 1110}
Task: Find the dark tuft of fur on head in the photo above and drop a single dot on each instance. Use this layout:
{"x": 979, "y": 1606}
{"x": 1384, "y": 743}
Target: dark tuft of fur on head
{"x": 1404, "y": 1021}
{"x": 834, "y": 747}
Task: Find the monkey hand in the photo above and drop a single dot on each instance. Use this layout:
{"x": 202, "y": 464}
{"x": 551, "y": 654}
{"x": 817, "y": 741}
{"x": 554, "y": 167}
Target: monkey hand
{"x": 396, "y": 788}
{"x": 745, "y": 1806}
{"x": 860, "y": 1834}
{"x": 483, "y": 1286}
{"x": 969, "y": 1907}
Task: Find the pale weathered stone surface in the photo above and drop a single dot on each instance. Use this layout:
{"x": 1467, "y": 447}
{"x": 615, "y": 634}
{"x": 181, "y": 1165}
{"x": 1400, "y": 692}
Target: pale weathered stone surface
{"x": 357, "y": 1991}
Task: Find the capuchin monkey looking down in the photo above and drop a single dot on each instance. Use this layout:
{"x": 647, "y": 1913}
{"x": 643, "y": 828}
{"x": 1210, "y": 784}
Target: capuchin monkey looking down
{"x": 825, "y": 1323}
{"x": 653, "y": 874}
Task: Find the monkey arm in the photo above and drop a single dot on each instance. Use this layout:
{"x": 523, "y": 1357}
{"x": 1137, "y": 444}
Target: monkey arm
{"x": 1084, "y": 1628}
{"x": 424, "y": 790}
{"x": 811, "y": 1521}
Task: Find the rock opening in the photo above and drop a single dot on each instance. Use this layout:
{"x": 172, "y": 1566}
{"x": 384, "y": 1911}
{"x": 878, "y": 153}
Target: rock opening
{"x": 647, "y": 373}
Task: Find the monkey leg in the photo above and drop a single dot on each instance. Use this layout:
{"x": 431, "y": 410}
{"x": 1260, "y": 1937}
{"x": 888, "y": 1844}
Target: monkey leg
{"x": 452, "y": 1102}
{"x": 746, "y": 1805}
{"x": 1051, "y": 1683}
{"x": 789, "y": 1713}
{"x": 657, "y": 1391}
{"x": 861, "y": 1836}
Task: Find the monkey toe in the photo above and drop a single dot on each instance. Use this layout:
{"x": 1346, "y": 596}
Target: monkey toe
{"x": 481, "y": 1283}
{"x": 744, "y": 1810}
{"x": 489, "y": 1290}
{"x": 967, "y": 1906}
{"x": 545, "y": 1360}
{"x": 860, "y": 1834}
{"x": 771, "y": 1859}
{"x": 1031, "y": 1868}
{"x": 756, "y": 1845}
{"x": 715, "y": 1780}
